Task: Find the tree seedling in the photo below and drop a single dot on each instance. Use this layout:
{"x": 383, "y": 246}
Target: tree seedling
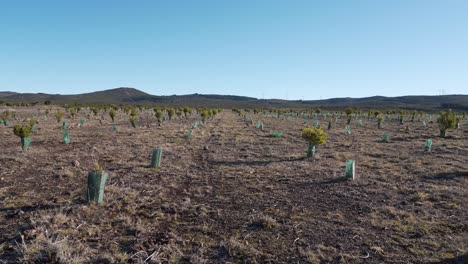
{"x": 156, "y": 158}
{"x": 350, "y": 170}
{"x": 96, "y": 182}
{"x": 23, "y": 132}
{"x": 446, "y": 120}
{"x": 314, "y": 136}
{"x": 112, "y": 114}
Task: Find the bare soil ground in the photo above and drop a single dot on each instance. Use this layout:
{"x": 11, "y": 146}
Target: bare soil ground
{"x": 232, "y": 193}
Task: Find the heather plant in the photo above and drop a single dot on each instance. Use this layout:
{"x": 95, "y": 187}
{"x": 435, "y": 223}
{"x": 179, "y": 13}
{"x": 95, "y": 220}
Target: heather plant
{"x": 133, "y": 112}
{"x": 379, "y": 121}
{"x": 179, "y": 114}
{"x": 446, "y": 120}
{"x": 95, "y": 111}
{"x": 59, "y": 116}
{"x": 6, "y": 114}
{"x": 204, "y": 114}
{"x": 349, "y": 113}
{"x": 132, "y": 120}
{"x": 112, "y": 114}
{"x": 314, "y": 136}
{"x": 159, "y": 115}
{"x": 187, "y": 111}
{"x": 72, "y": 112}
{"x": 33, "y": 123}
{"x": 23, "y": 132}
{"x": 170, "y": 113}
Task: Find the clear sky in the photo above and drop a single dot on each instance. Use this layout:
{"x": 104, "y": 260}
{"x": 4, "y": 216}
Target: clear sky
{"x": 261, "y": 48}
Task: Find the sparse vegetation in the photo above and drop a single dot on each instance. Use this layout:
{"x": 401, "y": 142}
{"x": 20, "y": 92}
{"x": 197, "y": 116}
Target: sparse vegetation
{"x": 232, "y": 193}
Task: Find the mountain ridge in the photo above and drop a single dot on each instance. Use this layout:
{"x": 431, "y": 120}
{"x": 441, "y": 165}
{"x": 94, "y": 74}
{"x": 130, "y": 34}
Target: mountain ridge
{"x": 128, "y": 95}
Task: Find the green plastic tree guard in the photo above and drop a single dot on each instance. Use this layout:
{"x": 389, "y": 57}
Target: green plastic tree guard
{"x": 310, "y": 151}
{"x": 428, "y": 145}
{"x": 348, "y": 130}
{"x": 350, "y": 169}
{"x": 65, "y": 125}
{"x": 189, "y": 134}
{"x": 316, "y": 123}
{"x": 114, "y": 128}
{"x": 96, "y": 183}
{"x": 424, "y": 123}
{"x": 156, "y": 158}
{"x": 81, "y": 122}
{"x": 1, "y": 121}
{"x": 359, "y": 122}
{"x": 66, "y": 137}
{"x": 276, "y": 134}
{"x": 386, "y": 137}
{"x": 259, "y": 124}
{"x": 25, "y": 143}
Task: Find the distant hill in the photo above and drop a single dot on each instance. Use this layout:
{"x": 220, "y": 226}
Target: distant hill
{"x": 3, "y": 94}
{"x": 125, "y": 95}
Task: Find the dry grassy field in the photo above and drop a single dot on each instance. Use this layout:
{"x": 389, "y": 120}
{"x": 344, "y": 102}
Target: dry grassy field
{"x": 232, "y": 193}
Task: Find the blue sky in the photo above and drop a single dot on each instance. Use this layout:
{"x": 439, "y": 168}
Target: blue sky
{"x": 260, "y": 48}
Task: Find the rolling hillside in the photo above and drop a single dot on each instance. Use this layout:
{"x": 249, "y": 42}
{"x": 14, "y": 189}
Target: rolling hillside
{"x": 133, "y": 96}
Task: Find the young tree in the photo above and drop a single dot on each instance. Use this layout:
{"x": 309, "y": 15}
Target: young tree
{"x": 446, "y": 120}
{"x": 313, "y": 136}
{"x": 112, "y": 114}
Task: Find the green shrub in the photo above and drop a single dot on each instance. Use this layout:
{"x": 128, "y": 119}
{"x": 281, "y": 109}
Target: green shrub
{"x": 132, "y": 120}
{"x": 59, "y": 116}
{"x": 170, "y": 113}
{"x": 379, "y": 121}
{"x": 314, "y": 136}
{"x": 204, "y": 115}
{"x": 133, "y": 112}
{"x": 179, "y": 114}
{"x": 187, "y": 111}
{"x": 22, "y": 131}
{"x": 72, "y": 112}
{"x": 112, "y": 114}
{"x": 159, "y": 115}
{"x": 447, "y": 120}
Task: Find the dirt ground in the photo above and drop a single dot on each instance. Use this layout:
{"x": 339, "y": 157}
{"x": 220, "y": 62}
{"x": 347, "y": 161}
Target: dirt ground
{"x": 231, "y": 193}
